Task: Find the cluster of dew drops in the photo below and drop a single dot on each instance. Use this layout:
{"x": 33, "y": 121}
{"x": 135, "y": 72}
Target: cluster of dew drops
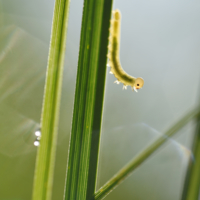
{"x": 38, "y": 136}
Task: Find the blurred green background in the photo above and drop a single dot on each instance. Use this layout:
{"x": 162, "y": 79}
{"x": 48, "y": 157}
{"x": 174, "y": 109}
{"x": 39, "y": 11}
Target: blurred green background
{"x": 159, "y": 42}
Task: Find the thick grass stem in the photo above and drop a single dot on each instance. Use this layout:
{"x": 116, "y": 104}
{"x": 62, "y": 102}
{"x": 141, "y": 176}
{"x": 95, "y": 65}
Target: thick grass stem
{"x": 88, "y": 103}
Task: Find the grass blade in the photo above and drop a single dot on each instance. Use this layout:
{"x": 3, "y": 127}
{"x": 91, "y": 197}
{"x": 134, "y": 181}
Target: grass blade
{"x": 85, "y": 134}
{"x": 141, "y": 157}
{"x": 43, "y": 179}
{"x": 192, "y": 181}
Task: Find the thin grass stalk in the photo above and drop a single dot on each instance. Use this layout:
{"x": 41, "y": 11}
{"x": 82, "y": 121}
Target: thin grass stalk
{"x": 142, "y": 156}
{"x": 192, "y": 181}
{"x": 88, "y": 104}
{"x": 43, "y": 178}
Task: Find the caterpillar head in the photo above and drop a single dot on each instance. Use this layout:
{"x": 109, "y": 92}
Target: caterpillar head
{"x": 139, "y": 82}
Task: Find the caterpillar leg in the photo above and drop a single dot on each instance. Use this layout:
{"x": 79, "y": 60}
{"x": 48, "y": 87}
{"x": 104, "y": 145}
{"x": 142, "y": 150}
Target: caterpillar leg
{"x": 117, "y": 82}
{"x": 134, "y": 89}
{"x": 125, "y": 87}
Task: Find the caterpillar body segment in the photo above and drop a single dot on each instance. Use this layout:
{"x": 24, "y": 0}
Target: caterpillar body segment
{"x": 113, "y": 56}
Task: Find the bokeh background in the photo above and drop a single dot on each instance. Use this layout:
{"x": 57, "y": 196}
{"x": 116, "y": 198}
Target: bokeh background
{"x": 159, "y": 42}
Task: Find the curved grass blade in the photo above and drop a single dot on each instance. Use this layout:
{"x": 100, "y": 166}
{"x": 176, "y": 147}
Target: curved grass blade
{"x": 141, "y": 157}
{"x": 43, "y": 179}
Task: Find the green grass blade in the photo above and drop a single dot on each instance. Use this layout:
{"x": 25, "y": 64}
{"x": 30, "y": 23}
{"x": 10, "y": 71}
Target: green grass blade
{"x": 141, "y": 157}
{"x": 192, "y": 181}
{"x": 43, "y": 179}
{"x": 85, "y": 134}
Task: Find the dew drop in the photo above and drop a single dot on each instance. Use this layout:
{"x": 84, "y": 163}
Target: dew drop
{"x": 38, "y": 133}
{"x": 38, "y": 138}
{"x": 36, "y": 143}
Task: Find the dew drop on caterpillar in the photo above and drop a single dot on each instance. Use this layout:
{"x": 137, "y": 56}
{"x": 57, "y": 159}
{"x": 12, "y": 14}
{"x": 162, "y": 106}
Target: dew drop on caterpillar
{"x": 113, "y": 56}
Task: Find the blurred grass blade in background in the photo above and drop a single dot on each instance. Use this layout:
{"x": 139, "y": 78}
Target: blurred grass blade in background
{"x": 19, "y": 94}
{"x": 89, "y": 95}
{"x": 43, "y": 179}
{"x": 141, "y": 157}
{"x": 192, "y": 180}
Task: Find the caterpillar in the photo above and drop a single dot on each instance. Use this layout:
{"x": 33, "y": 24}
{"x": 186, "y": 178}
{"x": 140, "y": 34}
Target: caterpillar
{"x": 113, "y": 56}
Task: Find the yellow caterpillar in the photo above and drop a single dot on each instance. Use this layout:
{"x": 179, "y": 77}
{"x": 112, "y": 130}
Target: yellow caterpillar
{"x": 113, "y": 56}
